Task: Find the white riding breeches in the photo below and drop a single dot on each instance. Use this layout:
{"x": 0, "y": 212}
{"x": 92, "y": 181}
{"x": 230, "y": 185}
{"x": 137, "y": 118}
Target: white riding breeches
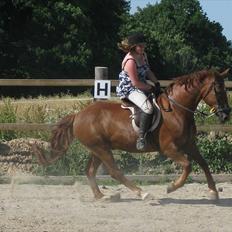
{"x": 141, "y": 100}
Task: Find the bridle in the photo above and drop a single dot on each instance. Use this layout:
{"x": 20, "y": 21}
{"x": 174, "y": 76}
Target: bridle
{"x": 219, "y": 97}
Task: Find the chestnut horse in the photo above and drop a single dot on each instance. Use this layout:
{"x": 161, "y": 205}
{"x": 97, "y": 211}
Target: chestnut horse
{"x": 104, "y": 126}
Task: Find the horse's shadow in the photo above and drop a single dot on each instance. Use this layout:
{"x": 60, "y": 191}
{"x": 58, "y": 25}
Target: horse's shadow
{"x": 225, "y": 202}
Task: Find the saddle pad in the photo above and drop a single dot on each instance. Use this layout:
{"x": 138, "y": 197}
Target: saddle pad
{"x": 135, "y": 115}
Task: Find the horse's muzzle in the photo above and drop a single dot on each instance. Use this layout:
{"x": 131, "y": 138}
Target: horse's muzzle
{"x": 223, "y": 114}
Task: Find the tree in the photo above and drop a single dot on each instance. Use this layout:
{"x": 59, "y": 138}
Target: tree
{"x": 181, "y": 37}
{"x": 44, "y": 38}
{"x": 58, "y": 38}
{"x": 106, "y": 19}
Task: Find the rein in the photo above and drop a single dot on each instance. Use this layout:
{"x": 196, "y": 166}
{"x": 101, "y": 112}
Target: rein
{"x": 193, "y": 111}
{"x": 189, "y": 110}
{"x": 219, "y": 109}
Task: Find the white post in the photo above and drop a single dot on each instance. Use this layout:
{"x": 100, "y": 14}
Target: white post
{"x": 102, "y": 90}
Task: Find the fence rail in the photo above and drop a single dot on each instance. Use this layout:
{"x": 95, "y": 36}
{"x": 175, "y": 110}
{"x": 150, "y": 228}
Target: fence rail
{"x": 25, "y": 126}
{"x": 71, "y": 82}
{"x": 79, "y": 82}
{"x": 48, "y": 127}
{"x": 70, "y": 180}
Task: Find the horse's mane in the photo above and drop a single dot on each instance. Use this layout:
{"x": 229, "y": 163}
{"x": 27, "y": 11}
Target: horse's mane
{"x": 190, "y": 80}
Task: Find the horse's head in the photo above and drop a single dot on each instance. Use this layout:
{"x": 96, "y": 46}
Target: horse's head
{"x": 214, "y": 95}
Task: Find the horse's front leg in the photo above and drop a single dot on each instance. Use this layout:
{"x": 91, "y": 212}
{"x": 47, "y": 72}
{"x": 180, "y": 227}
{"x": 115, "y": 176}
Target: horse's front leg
{"x": 181, "y": 159}
{"x": 195, "y": 154}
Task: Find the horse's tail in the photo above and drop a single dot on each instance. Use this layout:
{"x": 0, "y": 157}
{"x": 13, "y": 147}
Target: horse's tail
{"x": 62, "y": 136}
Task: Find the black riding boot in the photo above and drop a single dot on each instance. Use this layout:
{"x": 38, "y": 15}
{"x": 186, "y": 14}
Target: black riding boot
{"x": 145, "y": 122}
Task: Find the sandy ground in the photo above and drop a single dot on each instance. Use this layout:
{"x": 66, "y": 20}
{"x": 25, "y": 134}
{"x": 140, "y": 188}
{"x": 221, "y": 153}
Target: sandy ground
{"x": 54, "y": 208}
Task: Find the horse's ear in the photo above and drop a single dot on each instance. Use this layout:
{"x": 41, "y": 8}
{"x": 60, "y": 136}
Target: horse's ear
{"x": 225, "y": 73}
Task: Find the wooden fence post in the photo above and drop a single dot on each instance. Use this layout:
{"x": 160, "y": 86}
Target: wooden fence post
{"x": 102, "y": 87}
{"x": 101, "y": 73}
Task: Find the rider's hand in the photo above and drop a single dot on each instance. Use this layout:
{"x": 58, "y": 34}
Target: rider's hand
{"x": 151, "y": 89}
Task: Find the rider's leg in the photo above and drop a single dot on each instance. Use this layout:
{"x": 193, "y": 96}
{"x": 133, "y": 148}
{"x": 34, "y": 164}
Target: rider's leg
{"x": 141, "y": 100}
{"x": 145, "y": 121}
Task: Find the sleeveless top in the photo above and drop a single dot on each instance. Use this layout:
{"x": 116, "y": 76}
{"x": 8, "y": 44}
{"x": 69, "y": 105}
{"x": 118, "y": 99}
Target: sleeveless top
{"x": 125, "y": 86}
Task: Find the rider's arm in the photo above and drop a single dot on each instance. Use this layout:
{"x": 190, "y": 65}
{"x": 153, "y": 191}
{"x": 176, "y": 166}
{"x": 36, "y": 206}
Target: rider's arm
{"x": 151, "y": 76}
{"x": 130, "y": 68}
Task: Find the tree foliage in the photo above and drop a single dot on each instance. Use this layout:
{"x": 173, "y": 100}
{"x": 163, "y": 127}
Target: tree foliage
{"x": 181, "y": 38}
{"x": 58, "y": 38}
{"x": 68, "y": 38}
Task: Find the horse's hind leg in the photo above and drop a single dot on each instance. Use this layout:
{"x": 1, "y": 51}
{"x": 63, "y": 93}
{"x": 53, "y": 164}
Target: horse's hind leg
{"x": 195, "y": 154}
{"x": 107, "y": 158}
{"x": 91, "y": 171}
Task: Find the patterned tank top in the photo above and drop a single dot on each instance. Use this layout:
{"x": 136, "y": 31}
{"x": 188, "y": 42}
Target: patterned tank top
{"x": 125, "y": 86}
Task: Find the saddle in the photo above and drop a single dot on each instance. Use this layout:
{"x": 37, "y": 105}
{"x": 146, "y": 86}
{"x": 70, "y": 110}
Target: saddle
{"x": 135, "y": 114}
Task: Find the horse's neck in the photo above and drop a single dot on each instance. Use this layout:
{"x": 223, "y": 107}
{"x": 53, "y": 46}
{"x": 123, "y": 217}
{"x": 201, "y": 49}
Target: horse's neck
{"x": 188, "y": 98}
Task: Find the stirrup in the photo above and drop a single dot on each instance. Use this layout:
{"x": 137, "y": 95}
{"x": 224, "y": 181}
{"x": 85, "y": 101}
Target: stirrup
{"x": 140, "y": 145}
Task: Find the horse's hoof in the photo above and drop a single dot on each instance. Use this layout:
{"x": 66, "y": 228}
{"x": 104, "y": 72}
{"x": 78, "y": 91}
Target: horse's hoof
{"x": 171, "y": 188}
{"x": 146, "y": 196}
{"x": 213, "y": 195}
{"x": 99, "y": 196}
{"x": 116, "y": 197}
{"x": 111, "y": 198}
